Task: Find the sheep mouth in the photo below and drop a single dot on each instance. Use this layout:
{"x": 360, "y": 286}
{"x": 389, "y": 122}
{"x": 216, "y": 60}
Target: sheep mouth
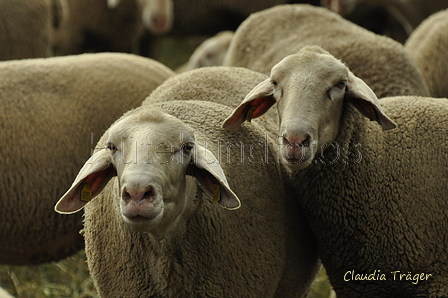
{"x": 138, "y": 219}
{"x": 294, "y": 160}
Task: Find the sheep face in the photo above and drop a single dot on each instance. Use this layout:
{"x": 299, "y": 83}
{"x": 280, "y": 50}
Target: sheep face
{"x": 151, "y": 154}
{"x": 157, "y": 15}
{"x": 151, "y": 158}
{"x": 310, "y": 89}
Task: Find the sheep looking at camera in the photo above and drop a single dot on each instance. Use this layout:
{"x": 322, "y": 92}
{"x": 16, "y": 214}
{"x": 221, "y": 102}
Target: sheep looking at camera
{"x": 153, "y": 231}
{"x": 376, "y": 201}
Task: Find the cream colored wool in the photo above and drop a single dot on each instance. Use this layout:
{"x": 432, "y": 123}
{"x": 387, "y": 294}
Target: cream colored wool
{"x": 262, "y": 249}
{"x": 53, "y": 112}
{"x": 376, "y": 200}
{"x": 428, "y": 46}
{"x": 266, "y": 37}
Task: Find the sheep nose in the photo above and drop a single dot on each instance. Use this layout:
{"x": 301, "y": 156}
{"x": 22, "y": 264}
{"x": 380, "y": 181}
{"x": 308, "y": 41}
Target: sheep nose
{"x": 137, "y": 195}
{"x": 159, "y": 24}
{"x": 296, "y": 142}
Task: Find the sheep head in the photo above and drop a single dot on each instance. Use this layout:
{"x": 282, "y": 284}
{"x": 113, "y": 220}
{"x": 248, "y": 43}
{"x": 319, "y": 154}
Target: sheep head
{"x": 151, "y": 153}
{"x": 309, "y": 88}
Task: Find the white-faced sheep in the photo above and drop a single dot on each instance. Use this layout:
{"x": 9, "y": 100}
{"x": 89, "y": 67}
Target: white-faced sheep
{"x": 428, "y": 46}
{"x": 53, "y": 112}
{"x": 157, "y": 15}
{"x": 376, "y": 201}
{"x": 153, "y": 232}
{"x": 268, "y": 36}
{"x": 209, "y": 53}
{"x": 27, "y": 27}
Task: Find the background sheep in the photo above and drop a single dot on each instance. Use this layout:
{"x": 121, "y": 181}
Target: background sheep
{"x": 54, "y": 111}
{"x": 209, "y": 53}
{"x": 407, "y": 13}
{"x": 270, "y": 35}
{"x": 428, "y": 46}
{"x": 376, "y": 201}
{"x": 193, "y": 247}
{"x": 27, "y": 27}
{"x": 93, "y": 26}
{"x": 157, "y": 15}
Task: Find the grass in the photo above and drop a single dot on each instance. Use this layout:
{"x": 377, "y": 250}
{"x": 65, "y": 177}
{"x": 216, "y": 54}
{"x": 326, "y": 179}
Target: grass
{"x": 70, "y": 278}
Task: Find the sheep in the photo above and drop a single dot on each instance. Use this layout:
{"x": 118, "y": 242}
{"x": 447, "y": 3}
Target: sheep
{"x": 157, "y": 15}
{"x": 4, "y": 294}
{"x": 427, "y": 45}
{"x": 211, "y": 52}
{"x": 270, "y": 35}
{"x": 53, "y": 112}
{"x": 409, "y": 13}
{"x": 94, "y": 27}
{"x": 27, "y": 27}
{"x": 182, "y": 244}
{"x": 376, "y": 201}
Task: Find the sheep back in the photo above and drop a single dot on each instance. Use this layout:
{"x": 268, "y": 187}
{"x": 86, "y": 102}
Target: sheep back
{"x": 427, "y": 45}
{"x": 221, "y": 84}
{"x": 267, "y": 36}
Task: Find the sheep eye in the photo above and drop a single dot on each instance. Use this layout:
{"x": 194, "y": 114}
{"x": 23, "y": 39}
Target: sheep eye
{"x": 188, "y": 147}
{"x": 274, "y": 82}
{"x": 111, "y": 147}
{"x": 341, "y": 84}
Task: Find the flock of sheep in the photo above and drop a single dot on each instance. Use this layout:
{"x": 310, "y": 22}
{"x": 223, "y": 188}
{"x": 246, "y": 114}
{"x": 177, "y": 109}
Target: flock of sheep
{"x": 243, "y": 172}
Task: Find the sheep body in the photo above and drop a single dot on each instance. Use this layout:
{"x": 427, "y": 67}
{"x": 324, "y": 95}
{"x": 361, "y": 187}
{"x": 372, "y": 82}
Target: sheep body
{"x": 218, "y": 81}
{"x": 376, "y": 201}
{"x": 27, "y": 28}
{"x": 427, "y": 45}
{"x": 262, "y": 249}
{"x": 54, "y": 110}
{"x": 383, "y": 63}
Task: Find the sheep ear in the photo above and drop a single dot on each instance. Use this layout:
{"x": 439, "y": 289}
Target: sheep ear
{"x": 208, "y": 172}
{"x": 91, "y": 180}
{"x": 256, "y": 103}
{"x": 365, "y": 100}
{"x": 112, "y": 3}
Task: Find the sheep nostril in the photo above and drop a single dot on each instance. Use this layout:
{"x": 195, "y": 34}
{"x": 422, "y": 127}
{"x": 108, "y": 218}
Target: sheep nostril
{"x": 150, "y": 194}
{"x": 306, "y": 142}
{"x": 125, "y": 196}
{"x": 297, "y": 142}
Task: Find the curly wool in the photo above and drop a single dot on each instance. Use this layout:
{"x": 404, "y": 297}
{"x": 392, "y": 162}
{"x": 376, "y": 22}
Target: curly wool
{"x": 427, "y": 45}
{"x": 263, "y": 249}
{"x": 380, "y": 202}
{"x": 381, "y": 62}
{"x": 54, "y": 111}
